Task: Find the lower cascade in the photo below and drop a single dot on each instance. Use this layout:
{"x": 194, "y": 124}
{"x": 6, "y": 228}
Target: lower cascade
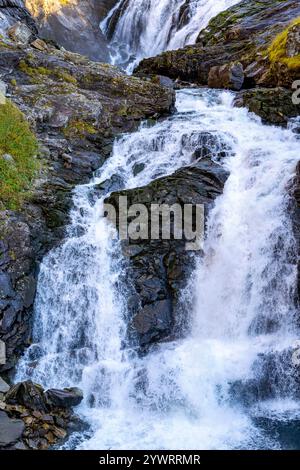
{"x": 208, "y": 388}
{"x": 143, "y": 28}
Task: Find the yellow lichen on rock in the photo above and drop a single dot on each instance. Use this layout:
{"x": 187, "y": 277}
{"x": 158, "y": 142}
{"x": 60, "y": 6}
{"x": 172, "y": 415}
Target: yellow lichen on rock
{"x": 277, "y": 50}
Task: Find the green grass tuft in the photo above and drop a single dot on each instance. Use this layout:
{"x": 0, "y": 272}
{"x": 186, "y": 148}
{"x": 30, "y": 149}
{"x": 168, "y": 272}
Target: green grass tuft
{"x": 16, "y": 140}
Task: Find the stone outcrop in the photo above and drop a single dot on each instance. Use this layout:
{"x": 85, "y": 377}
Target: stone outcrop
{"x": 74, "y": 24}
{"x": 75, "y": 107}
{"x": 13, "y": 11}
{"x": 273, "y": 105}
{"x": 32, "y": 418}
{"x": 159, "y": 269}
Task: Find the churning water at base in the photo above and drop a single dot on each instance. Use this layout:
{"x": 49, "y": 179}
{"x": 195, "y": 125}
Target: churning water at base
{"x": 144, "y": 28}
{"x": 179, "y": 395}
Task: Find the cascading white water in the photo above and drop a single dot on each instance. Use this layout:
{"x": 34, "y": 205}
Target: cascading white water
{"x": 145, "y": 28}
{"x": 80, "y": 318}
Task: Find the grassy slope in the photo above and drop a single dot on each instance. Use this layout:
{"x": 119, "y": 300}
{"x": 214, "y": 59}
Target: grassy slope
{"x": 17, "y": 141}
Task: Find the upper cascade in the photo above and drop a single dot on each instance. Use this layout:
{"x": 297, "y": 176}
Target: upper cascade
{"x": 144, "y": 28}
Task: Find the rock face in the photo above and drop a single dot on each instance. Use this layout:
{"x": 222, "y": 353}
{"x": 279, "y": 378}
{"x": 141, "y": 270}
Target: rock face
{"x": 13, "y": 11}
{"x": 261, "y": 36}
{"x": 296, "y": 218}
{"x": 293, "y": 41}
{"x": 74, "y": 24}
{"x": 33, "y": 418}
{"x": 75, "y": 107}
{"x": 159, "y": 269}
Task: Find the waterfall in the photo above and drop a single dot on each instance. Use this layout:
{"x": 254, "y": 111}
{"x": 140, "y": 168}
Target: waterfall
{"x": 145, "y": 28}
{"x": 180, "y": 395}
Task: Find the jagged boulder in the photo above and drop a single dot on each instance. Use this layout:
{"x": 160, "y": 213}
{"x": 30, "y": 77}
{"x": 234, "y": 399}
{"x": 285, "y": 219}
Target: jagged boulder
{"x": 66, "y": 398}
{"x": 27, "y": 394}
{"x": 36, "y": 418}
{"x": 159, "y": 269}
{"x": 230, "y": 76}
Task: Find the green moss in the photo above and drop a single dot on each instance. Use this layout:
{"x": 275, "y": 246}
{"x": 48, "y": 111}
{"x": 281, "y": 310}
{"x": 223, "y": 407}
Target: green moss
{"x": 38, "y": 74}
{"x": 16, "y": 140}
{"x": 277, "y": 50}
{"x": 65, "y": 76}
{"x": 77, "y": 128}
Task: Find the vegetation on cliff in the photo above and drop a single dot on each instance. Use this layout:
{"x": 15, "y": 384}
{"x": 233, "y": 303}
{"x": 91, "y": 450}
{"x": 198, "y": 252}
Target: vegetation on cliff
{"x": 18, "y": 147}
{"x": 278, "y": 49}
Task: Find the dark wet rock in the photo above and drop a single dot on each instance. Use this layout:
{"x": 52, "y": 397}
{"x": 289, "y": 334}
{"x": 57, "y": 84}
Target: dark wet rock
{"x": 242, "y": 34}
{"x": 207, "y": 144}
{"x": 295, "y": 213}
{"x": 45, "y": 417}
{"x": 274, "y": 374}
{"x": 11, "y": 430}
{"x": 112, "y": 184}
{"x": 66, "y": 398}
{"x": 138, "y": 168}
{"x": 153, "y": 321}
{"x": 27, "y": 394}
{"x": 284, "y": 427}
{"x": 159, "y": 269}
{"x": 273, "y": 105}
{"x": 230, "y": 76}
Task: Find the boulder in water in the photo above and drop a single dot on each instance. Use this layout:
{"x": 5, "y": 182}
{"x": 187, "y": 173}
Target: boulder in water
{"x": 273, "y": 105}
{"x": 159, "y": 269}
{"x": 230, "y": 76}
{"x": 66, "y": 398}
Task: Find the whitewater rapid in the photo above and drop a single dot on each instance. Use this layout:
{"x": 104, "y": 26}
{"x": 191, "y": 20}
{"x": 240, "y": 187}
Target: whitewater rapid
{"x": 144, "y": 28}
{"x": 80, "y": 311}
